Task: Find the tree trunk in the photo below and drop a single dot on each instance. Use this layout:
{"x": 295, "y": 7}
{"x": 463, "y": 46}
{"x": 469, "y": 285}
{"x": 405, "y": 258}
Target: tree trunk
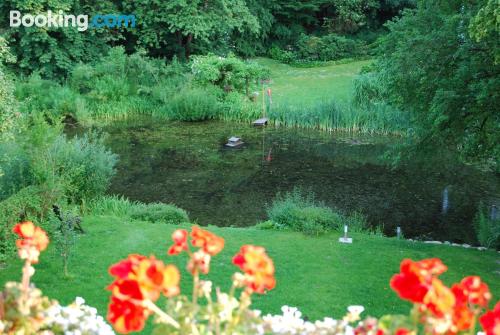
{"x": 187, "y": 46}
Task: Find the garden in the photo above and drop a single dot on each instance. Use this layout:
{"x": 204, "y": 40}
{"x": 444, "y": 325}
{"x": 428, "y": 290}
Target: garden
{"x": 251, "y": 167}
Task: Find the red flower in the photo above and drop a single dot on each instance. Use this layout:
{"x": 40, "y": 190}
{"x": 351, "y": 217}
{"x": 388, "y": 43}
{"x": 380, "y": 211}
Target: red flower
{"x": 126, "y": 289}
{"x": 462, "y": 316}
{"x": 415, "y": 278}
{"x": 126, "y": 316}
{"x": 476, "y": 291}
{"x": 258, "y": 268}
{"x": 151, "y": 275}
{"x": 137, "y": 280}
{"x": 210, "y": 243}
{"x": 491, "y": 321}
{"x": 402, "y": 331}
{"x": 180, "y": 242}
{"x": 124, "y": 268}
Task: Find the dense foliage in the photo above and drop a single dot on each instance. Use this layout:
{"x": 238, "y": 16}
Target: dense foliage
{"x": 299, "y": 211}
{"x": 440, "y": 63}
{"x": 168, "y": 28}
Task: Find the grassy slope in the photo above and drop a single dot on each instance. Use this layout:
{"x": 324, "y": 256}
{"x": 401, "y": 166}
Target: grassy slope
{"x": 306, "y": 86}
{"x": 319, "y": 275}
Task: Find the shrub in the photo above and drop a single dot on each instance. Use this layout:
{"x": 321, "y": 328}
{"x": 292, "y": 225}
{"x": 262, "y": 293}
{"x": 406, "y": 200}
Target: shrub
{"x": 123, "y": 207}
{"x": 27, "y": 204}
{"x": 228, "y": 73}
{"x": 283, "y": 56}
{"x": 237, "y": 107}
{"x": 8, "y": 104}
{"x": 14, "y": 169}
{"x": 301, "y": 212}
{"x": 159, "y": 212}
{"x": 111, "y": 205}
{"x": 311, "y": 48}
{"x": 487, "y": 228}
{"x": 194, "y": 104}
{"x": 83, "y": 165}
{"x": 40, "y": 96}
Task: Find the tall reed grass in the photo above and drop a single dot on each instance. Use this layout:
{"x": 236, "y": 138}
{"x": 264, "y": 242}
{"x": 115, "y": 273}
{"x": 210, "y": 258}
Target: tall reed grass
{"x": 333, "y": 116}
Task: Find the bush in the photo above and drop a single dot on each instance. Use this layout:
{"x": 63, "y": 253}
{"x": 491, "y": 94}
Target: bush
{"x": 159, "y": 212}
{"x": 301, "y": 212}
{"x": 194, "y": 104}
{"x": 228, "y": 73}
{"x": 14, "y": 169}
{"x": 487, "y": 229}
{"x": 7, "y": 104}
{"x": 66, "y": 170}
{"x": 27, "y": 204}
{"x": 311, "y": 48}
{"x": 123, "y": 207}
{"x": 83, "y": 165}
{"x": 283, "y": 56}
{"x": 48, "y": 98}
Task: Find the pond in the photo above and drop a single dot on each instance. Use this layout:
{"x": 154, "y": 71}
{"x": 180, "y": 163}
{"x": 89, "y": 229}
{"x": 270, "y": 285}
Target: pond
{"x": 434, "y": 197}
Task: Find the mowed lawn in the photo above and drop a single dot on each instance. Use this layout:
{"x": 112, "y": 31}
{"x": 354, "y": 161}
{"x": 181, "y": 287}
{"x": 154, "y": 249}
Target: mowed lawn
{"x": 306, "y": 86}
{"x": 317, "y": 274}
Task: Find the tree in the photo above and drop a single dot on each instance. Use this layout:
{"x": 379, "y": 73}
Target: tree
{"x": 448, "y": 81}
{"x": 190, "y": 23}
{"x": 53, "y": 51}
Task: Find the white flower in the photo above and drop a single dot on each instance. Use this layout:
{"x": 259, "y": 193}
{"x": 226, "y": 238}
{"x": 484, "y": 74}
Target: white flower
{"x": 77, "y": 319}
{"x": 227, "y": 306}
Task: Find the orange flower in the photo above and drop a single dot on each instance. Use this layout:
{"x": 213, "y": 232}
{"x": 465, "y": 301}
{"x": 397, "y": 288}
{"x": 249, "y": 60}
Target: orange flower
{"x": 415, "y": 278}
{"x": 258, "y": 268}
{"x": 491, "y": 321}
{"x": 439, "y": 299}
{"x": 199, "y": 261}
{"x": 151, "y": 275}
{"x": 180, "y": 242}
{"x": 462, "y": 316}
{"x": 126, "y": 316}
{"x": 32, "y": 241}
{"x": 210, "y": 243}
{"x": 31, "y": 236}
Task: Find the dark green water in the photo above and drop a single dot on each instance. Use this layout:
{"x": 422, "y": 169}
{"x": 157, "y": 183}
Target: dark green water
{"x": 187, "y": 164}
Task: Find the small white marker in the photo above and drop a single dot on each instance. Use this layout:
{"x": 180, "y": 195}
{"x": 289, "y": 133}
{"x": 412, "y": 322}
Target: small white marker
{"x": 345, "y": 239}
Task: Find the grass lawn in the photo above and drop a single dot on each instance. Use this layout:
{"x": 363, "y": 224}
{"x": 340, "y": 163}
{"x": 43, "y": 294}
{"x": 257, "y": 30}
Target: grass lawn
{"x": 306, "y": 86}
{"x": 317, "y": 274}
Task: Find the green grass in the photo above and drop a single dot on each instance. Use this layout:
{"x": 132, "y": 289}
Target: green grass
{"x": 317, "y": 274}
{"x": 308, "y": 86}
{"x": 321, "y": 98}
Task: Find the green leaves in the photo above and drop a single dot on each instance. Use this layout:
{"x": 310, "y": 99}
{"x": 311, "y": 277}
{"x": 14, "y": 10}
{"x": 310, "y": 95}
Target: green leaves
{"x": 431, "y": 67}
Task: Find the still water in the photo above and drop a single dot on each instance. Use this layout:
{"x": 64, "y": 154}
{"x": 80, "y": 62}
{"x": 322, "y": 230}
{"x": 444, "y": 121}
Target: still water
{"x": 187, "y": 164}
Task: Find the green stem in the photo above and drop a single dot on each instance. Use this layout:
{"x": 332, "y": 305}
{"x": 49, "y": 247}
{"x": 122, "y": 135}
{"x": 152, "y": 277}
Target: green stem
{"x": 163, "y": 316}
{"x": 196, "y": 283}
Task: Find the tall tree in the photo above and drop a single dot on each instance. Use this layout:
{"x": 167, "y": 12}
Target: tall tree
{"x": 53, "y": 51}
{"x": 189, "y": 22}
{"x": 450, "y": 82}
